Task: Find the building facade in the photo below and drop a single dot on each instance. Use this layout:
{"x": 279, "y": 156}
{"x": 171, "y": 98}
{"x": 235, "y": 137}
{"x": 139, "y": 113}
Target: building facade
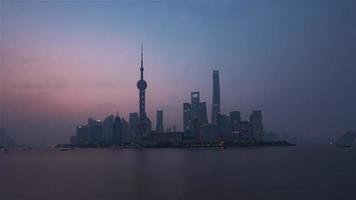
{"x": 215, "y": 110}
{"x": 187, "y": 116}
{"x": 256, "y": 125}
{"x": 118, "y": 131}
{"x": 159, "y": 121}
{"x": 108, "y": 124}
{"x": 95, "y": 131}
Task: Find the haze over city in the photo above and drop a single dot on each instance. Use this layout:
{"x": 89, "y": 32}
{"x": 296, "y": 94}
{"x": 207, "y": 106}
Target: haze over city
{"x": 62, "y": 62}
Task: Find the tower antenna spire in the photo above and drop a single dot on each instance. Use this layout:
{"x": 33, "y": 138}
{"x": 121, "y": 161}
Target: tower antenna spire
{"x": 141, "y": 68}
{"x": 142, "y": 54}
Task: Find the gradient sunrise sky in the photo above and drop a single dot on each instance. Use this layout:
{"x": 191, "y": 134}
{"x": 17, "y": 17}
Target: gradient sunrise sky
{"x": 65, "y": 61}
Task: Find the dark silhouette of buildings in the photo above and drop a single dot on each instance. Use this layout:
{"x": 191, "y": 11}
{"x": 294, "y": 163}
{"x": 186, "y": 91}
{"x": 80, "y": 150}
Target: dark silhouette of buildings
{"x": 235, "y": 118}
{"x": 244, "y": 131}
{"x": 95, "y": 130}
{"x": 82, "y": 136}
{"x": 166, "y": 139}
{"x": 133, "y": 120}
{"x": 159, "y": 122}
{"x": 125, "y": 128}
{"x": 187, "y": 116}
{"x": 118, "y": 131}
{"x": 194, "y": 115}
{"x": 198, "y": 109}
{"x": 209, "y": 133}
{"x": 108, "y": 125}
{"x": 256, "y": 125}
{"x": 196, "y": 129}
{"x": 251, "y": 131}
{"x": 223, "y": 126}
{"x": 215, "y": 110}
{"x": 111, "y": 131}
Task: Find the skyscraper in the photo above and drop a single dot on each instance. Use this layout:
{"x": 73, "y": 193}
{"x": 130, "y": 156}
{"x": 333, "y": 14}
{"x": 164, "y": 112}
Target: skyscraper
{"x": 195, "y": 99}
{"x": 82, "y": 135}
{"x": 125, "y": 126}
{"x": 216, "y": 97}
{"x": 108, "y": 128}
{"x": 235, "y": 118}
{"x": 222, "y": 124}
{"x": 95, "y": 131}
{"x": 203, "y": 113}
{"x": 256, "y": 125}
{"x": 144, "y": 124}
{"x": 159, "y": 123}
{"x": 118, "y": 130}
{"x": 133, "y": 120}
{"x": 198, "y": 109}
{"x": 187, "y": 117}
{"x": 194, "y": 114}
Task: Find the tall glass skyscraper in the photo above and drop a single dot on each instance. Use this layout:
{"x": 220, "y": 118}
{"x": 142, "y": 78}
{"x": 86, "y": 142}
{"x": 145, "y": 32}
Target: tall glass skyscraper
{"x": 159, "y": 122}
{"x": 216, "y": 97}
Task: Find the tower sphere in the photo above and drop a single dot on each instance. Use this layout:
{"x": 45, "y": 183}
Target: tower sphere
{"x": 141, "y": 84}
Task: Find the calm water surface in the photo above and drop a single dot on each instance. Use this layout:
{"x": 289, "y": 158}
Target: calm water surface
{"x": 242, "y": 173}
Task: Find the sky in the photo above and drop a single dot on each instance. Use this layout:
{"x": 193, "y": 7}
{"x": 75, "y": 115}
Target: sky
{"x": 64, "y": 61}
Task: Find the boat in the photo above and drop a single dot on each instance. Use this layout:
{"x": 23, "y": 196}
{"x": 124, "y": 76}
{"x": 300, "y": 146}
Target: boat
{"x": 66, "y": 149}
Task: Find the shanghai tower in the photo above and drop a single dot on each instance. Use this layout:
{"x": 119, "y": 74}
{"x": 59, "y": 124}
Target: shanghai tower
{"x": 216, "y": 97}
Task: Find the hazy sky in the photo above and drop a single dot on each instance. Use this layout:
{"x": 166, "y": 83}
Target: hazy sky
{"x": 62, "y": 62}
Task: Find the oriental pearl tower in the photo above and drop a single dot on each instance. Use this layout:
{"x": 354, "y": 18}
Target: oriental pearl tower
{"x": 144, "y": 124}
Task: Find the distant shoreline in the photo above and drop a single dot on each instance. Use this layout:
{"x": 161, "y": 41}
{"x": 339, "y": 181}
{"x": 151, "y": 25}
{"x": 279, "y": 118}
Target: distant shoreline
{"x": 186, "y": 145}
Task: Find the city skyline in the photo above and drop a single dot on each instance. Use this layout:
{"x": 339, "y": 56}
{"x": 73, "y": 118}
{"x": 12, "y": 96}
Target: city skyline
{"x": 221, "y": 131}
{"x": 54, "y": 77}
